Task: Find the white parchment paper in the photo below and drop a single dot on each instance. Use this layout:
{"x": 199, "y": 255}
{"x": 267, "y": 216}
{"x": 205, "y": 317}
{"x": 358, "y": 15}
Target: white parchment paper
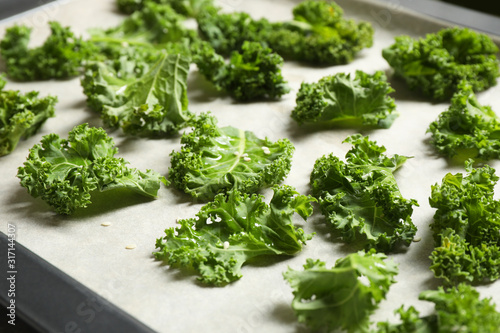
{"x": 169, "y": 300}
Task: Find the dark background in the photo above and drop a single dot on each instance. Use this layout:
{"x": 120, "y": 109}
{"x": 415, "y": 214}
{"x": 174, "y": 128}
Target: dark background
{"x": 479, "y": 5}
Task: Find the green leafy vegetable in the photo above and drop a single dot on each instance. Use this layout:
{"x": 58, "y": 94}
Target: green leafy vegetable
{"x": 318, "y": 34}
{"x": 455, "y": 260}
{"x": 60, "y": 57}
{"x": 360, "y": 197}
{"x": 457, "y": 309}
{"x": 466, "y": 227}
{"x": 190, "y": 8}
{"x": 344, "y": 100}
{"x": 234, "y": 229}
{"x": 227, "y": 32}
{"x": 344, "y": 296}
{"x": 155, "y": 27}
{"x": 436, "y": 64}
{"x": 466, "y": 129}
{"x": 254, "y": 73}
{"x": 64, "y": 173}
{"x": 215, "y": 160}
{"x": 21, "y": 116}
{"x": 143, "y": 98}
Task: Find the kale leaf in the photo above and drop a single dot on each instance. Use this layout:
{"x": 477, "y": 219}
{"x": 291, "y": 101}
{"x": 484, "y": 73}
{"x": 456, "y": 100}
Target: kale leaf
{"x": 155, "y": 27}
{"x": 60, "y": 57}
{"x": 21, "y": 116}
{"x": 233, "y": 229}
{"x": 64, "y": 172}
{"x": 342, "y": 100}
{"x": 147, "y": 98}
{"x": 457, "y": 309}
{"x": 360, "y": 197}
{"x": 214, "y": 160}
{"x": 466, "y": 227}
{"x": 436, "y": 64}
{"x": 254, "y": 73}
{"x": 227, "y": 32}
{"x": 466, "y": 129}
{"x": 189, "y": 8}
{"x": 344, "y": 296}
{"x": 318, "y": 33}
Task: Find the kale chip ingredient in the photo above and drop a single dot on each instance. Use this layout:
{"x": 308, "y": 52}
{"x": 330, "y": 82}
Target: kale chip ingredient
{"x": 436, "y": 64}
{"x": 155, "y": 27}
{"x": 64, "y": 172}
{"x": 214, "y": 160}
{"x": 466, "y": 227}
{"x": 254, "y": 73}
{"x": 457, "y": 309}
{"x": 344, "y": 296}
{"x": 342, "y": 100}
{"x": 234, "y": 229}
{"x": 189, "y": 8}
{"x": 146, "y": 98}
{"x": 21, "y": 116}
{"x": 466, "y": 129}
{"x": 318, "y": 34}
{"x": 60, "y": 57}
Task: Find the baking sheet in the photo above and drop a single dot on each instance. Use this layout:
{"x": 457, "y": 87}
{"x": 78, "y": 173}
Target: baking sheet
{"x": 170, "y": 300}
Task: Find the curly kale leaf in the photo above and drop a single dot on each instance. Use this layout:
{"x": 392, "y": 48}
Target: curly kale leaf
{"x": 343, "y": 100}
{"x": 466, "y": 129}
{"x": 411, "y": 322}
{"x": 227, "y": 32}
{"x": 155, "y": 27}
{"x": 253, "y": 73}
{"x": 147, "y": 99}
{"x": 360, "y": 197}
{"x": 64, "y": 173}
{"x": 436, "y": 64}
{"x": 189, "y": 8}
{"x": 60, "y": 57}
{"x": 234, "y": 229}
{"x": 214, "y": 160}
{"x": 344, "y": 296}
{"x": 320, "y": 34}
{"x": 460, "y": 310}
{"x": 457, "y": 309}
{"x": 466, "y": 227}
{"x": 21, "y": 116}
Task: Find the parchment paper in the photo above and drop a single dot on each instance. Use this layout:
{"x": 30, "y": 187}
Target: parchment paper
{"x": 169, "y": 300}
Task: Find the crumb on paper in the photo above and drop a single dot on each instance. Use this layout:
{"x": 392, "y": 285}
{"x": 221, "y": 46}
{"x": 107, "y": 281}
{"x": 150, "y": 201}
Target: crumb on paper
{"x": 130, "y": 246}
{"x": 106, "y": 224}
